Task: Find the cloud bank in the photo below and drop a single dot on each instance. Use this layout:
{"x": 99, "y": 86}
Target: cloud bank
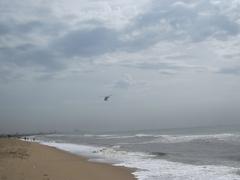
{"x": 37, "y": 37}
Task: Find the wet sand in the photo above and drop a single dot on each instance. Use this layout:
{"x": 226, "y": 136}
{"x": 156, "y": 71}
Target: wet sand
{"x": 21, "y": 160}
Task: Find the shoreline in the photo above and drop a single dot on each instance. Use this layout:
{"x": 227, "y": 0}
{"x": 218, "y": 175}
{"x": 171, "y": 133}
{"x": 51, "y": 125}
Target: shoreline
{"x": 30, "y": 160}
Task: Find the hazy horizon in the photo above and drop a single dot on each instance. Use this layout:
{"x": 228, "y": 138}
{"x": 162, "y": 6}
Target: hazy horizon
{"x": 166, "y": 63}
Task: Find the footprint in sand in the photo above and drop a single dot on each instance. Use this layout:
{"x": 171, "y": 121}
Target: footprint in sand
{"x": 45, "y": 177}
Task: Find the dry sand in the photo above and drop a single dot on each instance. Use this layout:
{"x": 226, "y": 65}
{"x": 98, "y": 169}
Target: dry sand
{"x": 21, "y": 160}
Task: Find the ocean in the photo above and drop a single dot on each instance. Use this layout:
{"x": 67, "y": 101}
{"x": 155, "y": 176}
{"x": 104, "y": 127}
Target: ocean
{"x": 167, "y": 154}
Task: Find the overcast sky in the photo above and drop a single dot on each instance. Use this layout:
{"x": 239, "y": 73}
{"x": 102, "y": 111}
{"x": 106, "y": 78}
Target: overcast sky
{"x": 167, "y": 63}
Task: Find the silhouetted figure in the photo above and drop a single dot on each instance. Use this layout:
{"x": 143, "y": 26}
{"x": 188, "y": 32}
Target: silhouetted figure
{"x": 107, "y": 97}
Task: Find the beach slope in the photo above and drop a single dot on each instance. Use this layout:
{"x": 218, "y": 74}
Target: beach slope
{"x": 21, "y": 160}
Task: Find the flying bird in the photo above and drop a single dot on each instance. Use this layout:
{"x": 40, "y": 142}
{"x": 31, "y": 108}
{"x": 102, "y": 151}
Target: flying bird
{"x": 107, "y": 97}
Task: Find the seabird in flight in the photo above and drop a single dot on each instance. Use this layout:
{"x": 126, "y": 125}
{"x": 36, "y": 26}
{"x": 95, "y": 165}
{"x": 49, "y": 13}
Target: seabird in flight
{"x": 107, "y": 97}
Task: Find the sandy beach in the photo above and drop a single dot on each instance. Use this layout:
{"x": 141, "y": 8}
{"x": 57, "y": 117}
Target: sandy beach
{"x": 21, "y": 160}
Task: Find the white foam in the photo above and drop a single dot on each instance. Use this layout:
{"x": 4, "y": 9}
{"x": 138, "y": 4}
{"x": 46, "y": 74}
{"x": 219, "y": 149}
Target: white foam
{"x": 149, "y": 168}
{"x": 188, "y": 138}
{"x": 116, "y": 136}
{"x": 74, "y": 148}
{"x": 161, "y": 138}
{"x": 146, "y": 135}
{"x": 101, "y": 135}
{"x": 156, "y": 169}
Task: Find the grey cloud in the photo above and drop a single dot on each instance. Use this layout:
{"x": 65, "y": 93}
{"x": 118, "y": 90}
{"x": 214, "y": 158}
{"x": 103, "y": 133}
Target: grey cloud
{"x": 140, "y": 42}
{"x": 19, "y": 39}
{"x": 52, "y": 57}
{"x": 166, "y": 68}
{"x": 124, "y": 83}
{"x": 164, "y": 20}
{"x": 28, "y": 56}
{"x": 179, "y": 56}
{"x": 128, "y": 81}
{"x": 44, "y": 58}
{"x": 27, "y": 17}
{"x": 87, "y": 42}
{"x": 218, "y": 26}
{"x": 230, "y": 70}
{"x": 7, "y": 75}
{"x": 164, "y": 10}
{"x": 232, "y": 56}
{"x": 155, "y": 66}
{"x": 185, "y": 21}
{"x": 4, "y": 29}
{"x": 25, "y": 29}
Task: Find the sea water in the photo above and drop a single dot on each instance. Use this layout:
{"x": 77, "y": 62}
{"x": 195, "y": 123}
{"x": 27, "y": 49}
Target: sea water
{"x": 190, "y": 153}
